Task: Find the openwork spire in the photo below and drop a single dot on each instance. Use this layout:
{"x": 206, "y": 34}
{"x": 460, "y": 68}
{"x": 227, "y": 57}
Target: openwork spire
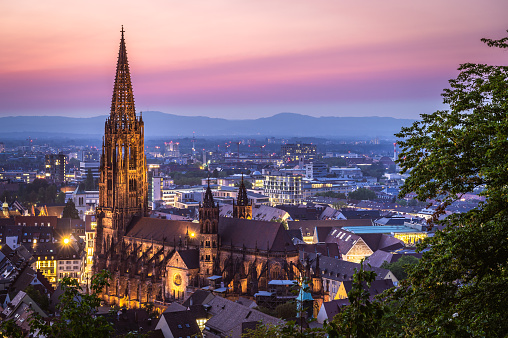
{"x": 208, "y": 200}
{"x": 122, "y": 104}
{"x": 242, "y": 195}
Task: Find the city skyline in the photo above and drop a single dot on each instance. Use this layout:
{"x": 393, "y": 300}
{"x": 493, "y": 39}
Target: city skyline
{"x": 241, "y": 60}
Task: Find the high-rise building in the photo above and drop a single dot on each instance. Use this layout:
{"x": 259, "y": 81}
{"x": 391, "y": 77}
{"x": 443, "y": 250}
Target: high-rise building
{"x": 55, "y": 168}
{"x": 123, "y": 183}
{"x": 283, "y": 189}
{"x": 316, "y": 169}
{"x": 172, "y": 149}
{"x": 298, "y": 151}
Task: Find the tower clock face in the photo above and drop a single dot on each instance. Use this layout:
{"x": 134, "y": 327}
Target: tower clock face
{"x": 177, "y": 279}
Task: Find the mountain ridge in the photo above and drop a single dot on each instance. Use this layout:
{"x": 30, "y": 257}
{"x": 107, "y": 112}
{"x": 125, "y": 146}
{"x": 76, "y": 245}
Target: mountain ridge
{"x": 159, "y": 124}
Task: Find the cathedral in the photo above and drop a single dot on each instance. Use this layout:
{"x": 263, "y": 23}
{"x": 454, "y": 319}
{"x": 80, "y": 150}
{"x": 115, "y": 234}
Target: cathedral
{"x": 158, "y": 260}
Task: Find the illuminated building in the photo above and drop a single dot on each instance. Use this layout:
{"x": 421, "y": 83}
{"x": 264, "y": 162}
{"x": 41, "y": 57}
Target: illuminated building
{"x": 159, "y": 260}
{"x": 298, "y": 151}
{"x": 172, "y": 149}
{"x": 316, "y": 169}
{"x": 55, "y": 168}
{"x": 283, "y": 189}
{"x": 25, "y": 176}
{"x": 123, "y": 180}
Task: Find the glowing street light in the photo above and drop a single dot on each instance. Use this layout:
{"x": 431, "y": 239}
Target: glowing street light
{"x": 66, "y": 241}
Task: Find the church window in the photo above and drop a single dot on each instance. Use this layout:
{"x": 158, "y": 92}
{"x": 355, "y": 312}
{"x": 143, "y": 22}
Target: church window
{"x": 202, "y": 258}
{"x": 207, "y": 257}
{"x": 207, "y": 244}
{"x": 214, "y": 245}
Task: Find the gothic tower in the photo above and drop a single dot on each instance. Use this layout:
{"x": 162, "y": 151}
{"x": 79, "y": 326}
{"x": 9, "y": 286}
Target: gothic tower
{"x": 242, "y": 208}
{"x": 209, "y": 233}
{"x": 123, "y": 185}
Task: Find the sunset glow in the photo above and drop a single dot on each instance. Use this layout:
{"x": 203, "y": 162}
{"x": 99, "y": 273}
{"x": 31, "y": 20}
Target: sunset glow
{"x": 242, "y": 59}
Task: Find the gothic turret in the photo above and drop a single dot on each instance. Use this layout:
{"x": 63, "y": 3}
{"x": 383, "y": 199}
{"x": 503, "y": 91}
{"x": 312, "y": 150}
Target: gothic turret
{"x": 242, "y": 208}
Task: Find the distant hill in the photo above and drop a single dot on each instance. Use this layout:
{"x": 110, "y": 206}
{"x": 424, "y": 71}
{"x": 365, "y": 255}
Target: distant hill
{"x": 159, "y": 124}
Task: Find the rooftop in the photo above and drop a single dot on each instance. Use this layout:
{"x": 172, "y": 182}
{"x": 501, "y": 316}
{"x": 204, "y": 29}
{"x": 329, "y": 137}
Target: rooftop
{"x": 388, "y": 229}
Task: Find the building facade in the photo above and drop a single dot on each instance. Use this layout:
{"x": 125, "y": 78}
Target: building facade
{"x": 159, "y": 260}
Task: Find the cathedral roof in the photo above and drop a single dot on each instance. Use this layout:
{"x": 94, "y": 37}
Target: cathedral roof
{"x": 190, "y": 258}
{"x": 157, "y": 229}
{"x": 254, "y": 234}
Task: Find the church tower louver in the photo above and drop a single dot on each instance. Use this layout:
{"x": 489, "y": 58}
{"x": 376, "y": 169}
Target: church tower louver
{"x": 123, "y": 185}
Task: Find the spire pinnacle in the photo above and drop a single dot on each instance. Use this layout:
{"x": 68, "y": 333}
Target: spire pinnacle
{"x": 242, "y": 199}
{"x": 208, "y": 200}
{"x": 122, "y": 103}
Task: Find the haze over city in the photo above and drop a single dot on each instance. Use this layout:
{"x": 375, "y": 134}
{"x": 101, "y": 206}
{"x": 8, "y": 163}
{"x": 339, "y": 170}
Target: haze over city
{"x": 242, "y": 59}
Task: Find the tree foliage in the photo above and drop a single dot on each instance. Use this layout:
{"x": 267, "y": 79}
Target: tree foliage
{"x": 90, "y": 181}
{"x": 77, "y": 312}
{"x": 363, "y": 317}
{"x": 376, "y": 170}
{"x": 362, "y": 194}
{"x": 37, "y": 192}
{"x": 70, "y": 210}
{"x": 41, "y": 299}
{"x": 460, "y": 286}
{"x": 399, "y": 268}
{"x": 331, "y": 194}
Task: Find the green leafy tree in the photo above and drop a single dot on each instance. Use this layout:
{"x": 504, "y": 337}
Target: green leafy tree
{"x": 286, "y": 310}
{"x": 70, "y": 210}
{"x": 400, "y": 267}
{"x": 41, "y": 299}
{"x": 60, "y": 198}
{"x": 363, "y": 317}
{"x": 331, "y": 194}
{"x": 89, "y": 182}
{"x": 362, "y": 194}
{"x": 77, "y": 312}
{"x": 376, "y": 170}
{"x": 459, "y": 287}
{"x": 248, "y": 184}
{"x": 9, "y": 329}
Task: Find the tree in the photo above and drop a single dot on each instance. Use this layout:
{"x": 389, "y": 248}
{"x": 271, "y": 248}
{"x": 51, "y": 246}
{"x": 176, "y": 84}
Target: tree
{"x": 89, "y": 182}
{"x": 70, "y": 210}
{"x": 363, "y": 317}
{"x": 60, "y": 198}
{"x": 9, "y": 329}
{"x": 399, "y": 267}
{"x": 248, "y": 184}
{"x": 77, "y": 312}
{"x": 331, "y": 194}
{"x": 362, "y": 194}
{"x": 41, "y": 299}
{"x": 376, "y": 170}
{"x": 459, "y": 287}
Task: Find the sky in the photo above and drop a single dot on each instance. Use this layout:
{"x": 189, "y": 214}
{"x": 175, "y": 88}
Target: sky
{"x": 243, "y": 59}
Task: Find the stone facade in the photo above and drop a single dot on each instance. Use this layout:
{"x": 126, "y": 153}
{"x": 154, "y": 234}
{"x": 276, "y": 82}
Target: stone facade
{"x": 156, "y": 260}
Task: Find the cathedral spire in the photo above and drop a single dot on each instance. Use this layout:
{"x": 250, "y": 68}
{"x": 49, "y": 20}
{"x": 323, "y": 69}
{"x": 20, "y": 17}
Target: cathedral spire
{"x": 122, "y": 104}
{"x": 242, "y": 199}
{"x": 208, "y": 200}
